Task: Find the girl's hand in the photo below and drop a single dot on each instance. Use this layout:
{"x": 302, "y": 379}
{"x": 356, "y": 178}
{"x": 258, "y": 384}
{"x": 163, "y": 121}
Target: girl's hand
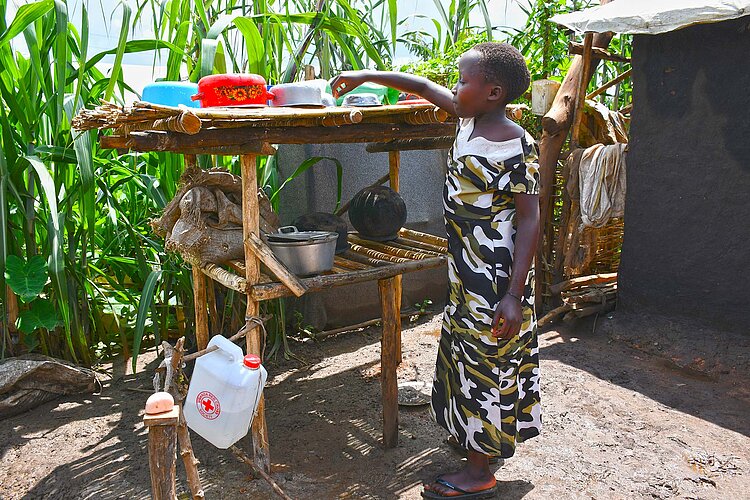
{"x": 509, "y": 310}
{"x": 347, "y": 81}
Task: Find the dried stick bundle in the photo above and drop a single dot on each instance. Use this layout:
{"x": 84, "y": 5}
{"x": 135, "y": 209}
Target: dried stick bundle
{"x": 583, "y": 296}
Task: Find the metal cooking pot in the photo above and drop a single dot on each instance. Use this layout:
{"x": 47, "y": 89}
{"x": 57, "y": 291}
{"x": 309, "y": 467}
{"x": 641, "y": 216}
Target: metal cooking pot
{"x": 304, "y": 252}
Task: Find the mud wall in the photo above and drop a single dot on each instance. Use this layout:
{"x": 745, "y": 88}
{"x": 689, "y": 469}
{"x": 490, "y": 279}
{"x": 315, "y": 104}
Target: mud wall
{"x": 686, "y": 247}
{"x": 422, "y": 175}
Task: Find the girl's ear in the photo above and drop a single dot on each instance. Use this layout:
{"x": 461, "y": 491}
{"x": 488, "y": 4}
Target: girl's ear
{"x": 497, "y": 93}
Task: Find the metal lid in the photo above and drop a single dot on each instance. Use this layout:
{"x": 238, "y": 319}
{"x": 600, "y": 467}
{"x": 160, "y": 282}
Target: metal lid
{"x": 290, "y": 234}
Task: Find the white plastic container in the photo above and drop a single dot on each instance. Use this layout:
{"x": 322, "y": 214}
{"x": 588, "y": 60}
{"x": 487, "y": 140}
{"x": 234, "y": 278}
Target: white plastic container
{"x": 224, "y": 393}
{"x": 542, "y": 94}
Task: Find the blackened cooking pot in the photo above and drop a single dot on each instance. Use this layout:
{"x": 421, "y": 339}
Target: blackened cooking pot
{"x": 377, "y": 213}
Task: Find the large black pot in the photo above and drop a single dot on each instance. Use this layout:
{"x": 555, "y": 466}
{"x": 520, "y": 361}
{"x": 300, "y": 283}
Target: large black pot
{"x": 321, "y": 221}
{"x": 377, "y": 213}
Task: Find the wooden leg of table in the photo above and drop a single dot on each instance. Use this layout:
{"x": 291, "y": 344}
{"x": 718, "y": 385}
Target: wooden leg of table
{"x": 213, "y": 312}
{"x": 389, "y": 361}
{"x": 394, "y": 168}
{"x": 251, "y": 224}
{"x": 397, "y": 285}
{"x": 201, "y": 313}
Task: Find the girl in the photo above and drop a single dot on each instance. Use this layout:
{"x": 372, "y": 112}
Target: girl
{"x": 486, "y": 385}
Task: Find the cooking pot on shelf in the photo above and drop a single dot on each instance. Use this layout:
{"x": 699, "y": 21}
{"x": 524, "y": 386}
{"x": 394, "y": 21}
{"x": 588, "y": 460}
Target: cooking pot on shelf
{"x": 170, "y": 93}
{"x": 304, "y": 252}
{"x": 322, "y": 221}
{"x": 232, "y": 90}
{"x": 361, "y": 100}
{"x": 377, "y": 212}
{"x": 296, "y": 94}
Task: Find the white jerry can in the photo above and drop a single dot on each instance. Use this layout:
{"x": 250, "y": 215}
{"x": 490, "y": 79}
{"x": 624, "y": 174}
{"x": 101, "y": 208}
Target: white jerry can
{"x": 543, "y": 93}
{"x": 224, "y": 393}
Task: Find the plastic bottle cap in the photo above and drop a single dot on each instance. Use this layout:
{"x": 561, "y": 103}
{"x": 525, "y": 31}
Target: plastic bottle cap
{"x": 252, "y": 361}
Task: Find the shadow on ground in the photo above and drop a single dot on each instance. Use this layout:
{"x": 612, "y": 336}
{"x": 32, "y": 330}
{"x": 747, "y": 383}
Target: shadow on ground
{"x": 722, "y": 400}
{"x": 324, "y": 423}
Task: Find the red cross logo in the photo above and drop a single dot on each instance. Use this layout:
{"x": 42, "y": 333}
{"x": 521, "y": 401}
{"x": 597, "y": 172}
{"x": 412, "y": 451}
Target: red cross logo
{"x": 208, "y": 405}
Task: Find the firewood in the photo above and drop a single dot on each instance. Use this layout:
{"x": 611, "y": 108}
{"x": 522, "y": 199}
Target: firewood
{"x": 553, "y": 315}
{"x": 583, "y": 280}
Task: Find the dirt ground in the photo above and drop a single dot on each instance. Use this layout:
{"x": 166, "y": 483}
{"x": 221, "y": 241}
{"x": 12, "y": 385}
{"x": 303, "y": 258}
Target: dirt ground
{"x": 619, "y": 422}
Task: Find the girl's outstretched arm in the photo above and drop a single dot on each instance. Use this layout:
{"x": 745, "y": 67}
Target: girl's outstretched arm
{"x": 527, "y": 234}
{"x": 436, "y": 94}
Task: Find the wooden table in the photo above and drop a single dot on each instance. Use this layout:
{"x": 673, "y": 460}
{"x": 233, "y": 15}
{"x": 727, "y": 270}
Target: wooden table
{"x": 249, "y": 132}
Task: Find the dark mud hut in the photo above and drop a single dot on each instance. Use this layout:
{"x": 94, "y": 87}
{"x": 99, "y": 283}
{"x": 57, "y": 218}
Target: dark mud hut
{"x": 686, "y": 246}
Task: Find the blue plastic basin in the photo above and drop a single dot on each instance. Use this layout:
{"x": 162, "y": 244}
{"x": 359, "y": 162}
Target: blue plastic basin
{"x": 171, "y": 93}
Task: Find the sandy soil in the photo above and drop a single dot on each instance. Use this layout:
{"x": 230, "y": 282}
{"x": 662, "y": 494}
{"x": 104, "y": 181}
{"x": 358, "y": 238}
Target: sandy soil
{"x": 620, "y": 422}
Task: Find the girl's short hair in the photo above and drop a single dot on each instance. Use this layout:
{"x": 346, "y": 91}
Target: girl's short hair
{"x": 503, "y": 64}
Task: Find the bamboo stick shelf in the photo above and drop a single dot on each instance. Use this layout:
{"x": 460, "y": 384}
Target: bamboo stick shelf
{"x": 364, "y": 261}
{"x": 249, "y": 132}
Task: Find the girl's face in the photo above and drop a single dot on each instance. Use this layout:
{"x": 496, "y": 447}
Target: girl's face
{"x": 473, "y": 95}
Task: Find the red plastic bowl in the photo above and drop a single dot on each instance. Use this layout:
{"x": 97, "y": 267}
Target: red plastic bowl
{"x": 232, "y": 90}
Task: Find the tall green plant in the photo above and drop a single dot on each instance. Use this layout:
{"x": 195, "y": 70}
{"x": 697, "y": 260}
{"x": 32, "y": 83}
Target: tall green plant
{"x": 84, "y": 211}
{"x": 51, "y": 206}
{"x": 451, "y": 29}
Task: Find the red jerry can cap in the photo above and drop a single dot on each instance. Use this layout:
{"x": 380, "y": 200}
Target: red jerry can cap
{"x": 252, "y": 361}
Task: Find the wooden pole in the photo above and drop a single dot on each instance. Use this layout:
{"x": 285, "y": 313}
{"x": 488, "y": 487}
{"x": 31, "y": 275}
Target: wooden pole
{"x": 558, "y": 268}
{"x": 261, "y": 251}
{"x": 249, "y": 140}
{"x": 162, "y": 452}
{"x": 614, "y": 81}
{"x": 555, "y": 126}
{"x": 244, "y": 458}
{"x": 389, "y": 360}
{"x": 178, "y": 392}
{"x": 201, "y": 312}
{"x": 597, "y": 53}
{"x": 394, "y": 170}
{"x": 254, "y": 339}
{"x": 213, "y": 312}
{"x": 199, "y": 283}
{"x": 583, "y": 84}
{"x": 563, "y": 232}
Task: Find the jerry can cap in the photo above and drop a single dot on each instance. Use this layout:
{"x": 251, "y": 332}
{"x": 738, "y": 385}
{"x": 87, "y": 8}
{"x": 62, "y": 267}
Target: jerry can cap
{"x": 252, "y": 361}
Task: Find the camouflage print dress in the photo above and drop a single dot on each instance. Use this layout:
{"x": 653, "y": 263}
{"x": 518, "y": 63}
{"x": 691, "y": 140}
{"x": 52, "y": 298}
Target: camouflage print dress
{"x": 486, "y": 390}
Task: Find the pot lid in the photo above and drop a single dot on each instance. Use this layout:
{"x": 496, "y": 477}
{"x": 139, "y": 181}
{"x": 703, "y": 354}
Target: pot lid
{"x": 292, "y": 234}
